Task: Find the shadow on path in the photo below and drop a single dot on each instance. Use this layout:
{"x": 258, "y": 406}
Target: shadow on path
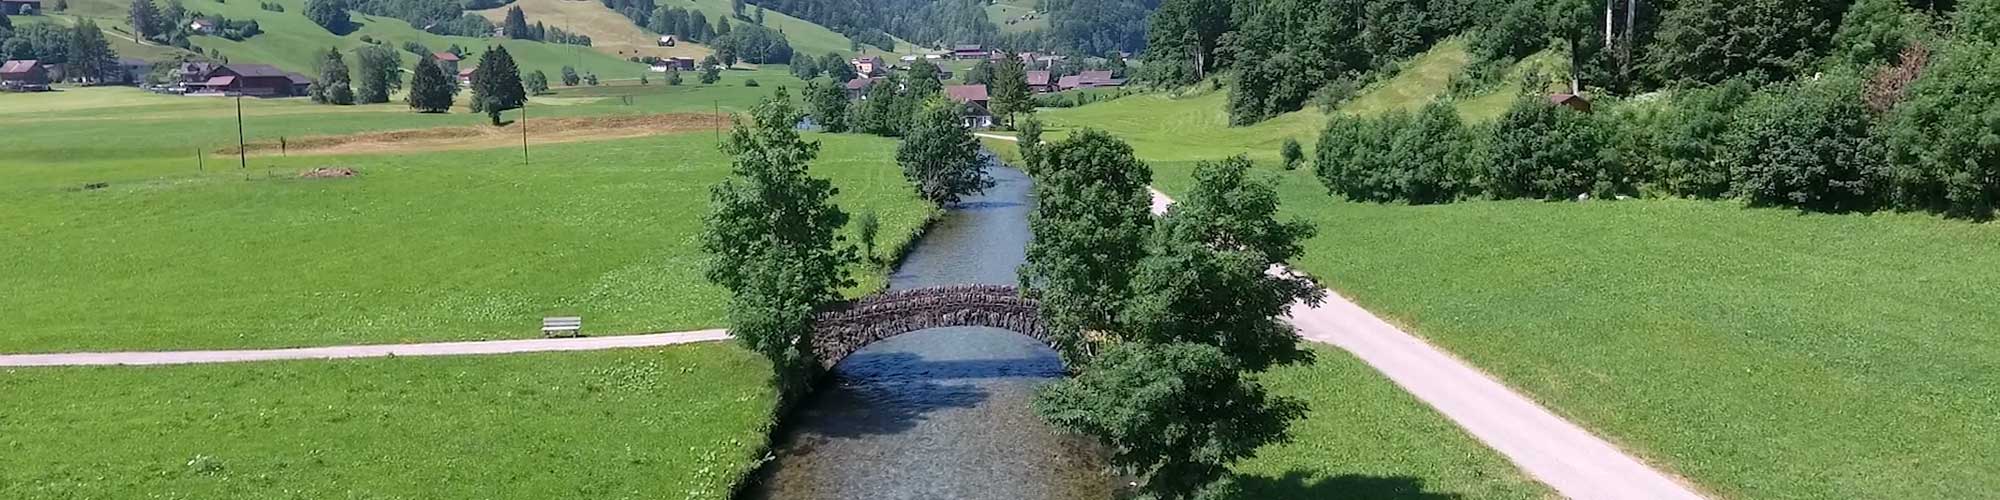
{"x": 1303, "y": 485}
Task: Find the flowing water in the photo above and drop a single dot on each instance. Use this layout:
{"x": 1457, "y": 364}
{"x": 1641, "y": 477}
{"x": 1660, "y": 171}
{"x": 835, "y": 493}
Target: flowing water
{"x": 942, "y": 413}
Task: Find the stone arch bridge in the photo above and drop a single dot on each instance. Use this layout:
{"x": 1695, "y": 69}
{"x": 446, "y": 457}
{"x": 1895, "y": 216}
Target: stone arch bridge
{"x": 849, "y": 326}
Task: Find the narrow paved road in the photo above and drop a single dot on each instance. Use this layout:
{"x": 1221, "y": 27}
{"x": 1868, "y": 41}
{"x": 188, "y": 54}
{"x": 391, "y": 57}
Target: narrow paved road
{"x": 362, "y": 351}
{"x": 1554, "y": 451}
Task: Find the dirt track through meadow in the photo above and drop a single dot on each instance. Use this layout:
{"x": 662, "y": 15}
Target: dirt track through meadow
{"x": 540, "y": 131}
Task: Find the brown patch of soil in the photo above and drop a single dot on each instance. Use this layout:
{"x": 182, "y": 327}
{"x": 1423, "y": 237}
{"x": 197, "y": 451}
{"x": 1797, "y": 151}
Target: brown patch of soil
{"x": 540, "y": 131}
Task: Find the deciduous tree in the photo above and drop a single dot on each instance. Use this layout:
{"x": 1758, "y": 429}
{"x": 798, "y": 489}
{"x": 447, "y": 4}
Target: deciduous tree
{"x": 1090, "y": 219}
{"x": 773, "y": 234}
{"x": 939, "y": 156}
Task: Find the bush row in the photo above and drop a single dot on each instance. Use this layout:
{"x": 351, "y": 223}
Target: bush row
{"x": 1830, "y": 143}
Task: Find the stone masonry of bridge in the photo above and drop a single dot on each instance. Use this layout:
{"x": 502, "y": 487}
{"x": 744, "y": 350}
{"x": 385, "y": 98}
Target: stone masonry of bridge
{"x": 850, "y": 326}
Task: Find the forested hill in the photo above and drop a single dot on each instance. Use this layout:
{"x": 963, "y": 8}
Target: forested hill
{"x": 1096, "y": 27}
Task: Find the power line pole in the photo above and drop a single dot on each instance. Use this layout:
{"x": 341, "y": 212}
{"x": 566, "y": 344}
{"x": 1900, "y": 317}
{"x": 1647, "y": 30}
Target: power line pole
{"x": 524, "y": 131}
{"x": 242, "y": 152}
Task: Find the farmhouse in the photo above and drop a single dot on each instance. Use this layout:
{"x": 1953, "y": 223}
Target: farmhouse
{"x": 673, "y": 64}
{"x": 975, "y": 100}
{"x": 1571, "y": 101}
{"x": 666, "y": 40}
{"x": 465, "y": 77}
{"x": 1088, "y": 80}
{"x": 24, "y": 75}
{"x": 869, "y": 66}
{"x": 257, "y": 80}
{"x": 446, "y": 61}
{"x": 203, "y": 26}
{"x": 858, "y": 88}
{"x": 20, "y": 7}
{"x": 1038, "y": 81}
{"x": 973, "y": 51}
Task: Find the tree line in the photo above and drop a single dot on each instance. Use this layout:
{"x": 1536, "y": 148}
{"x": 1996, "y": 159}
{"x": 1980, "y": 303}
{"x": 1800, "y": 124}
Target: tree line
{"x": 1914, "y": 135}
{"x": 515, "y": 25}
{"x": 81, "y": 49}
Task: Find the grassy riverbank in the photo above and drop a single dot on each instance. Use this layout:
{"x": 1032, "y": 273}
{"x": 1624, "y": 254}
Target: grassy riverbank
{"x": 679, "y": 422}
{"x": 1760, "y": 353}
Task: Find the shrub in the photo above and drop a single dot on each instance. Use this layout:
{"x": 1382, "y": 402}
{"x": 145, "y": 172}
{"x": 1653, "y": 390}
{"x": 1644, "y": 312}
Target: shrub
{"x": 1690, "y": 140}
{"x": 1805, "y": 144}
{"x": 1292, "y": 153}
{"x": 1540, "y": 150}
{"x": 1419, "y": 159}
{"x": 1943, "y": 142}
{"x": 750, "y": 82}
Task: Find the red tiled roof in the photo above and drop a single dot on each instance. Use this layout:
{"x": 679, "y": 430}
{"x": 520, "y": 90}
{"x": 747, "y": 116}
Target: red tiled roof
{"x": 1038, "y": 78}
{"x": 966, "y": 93}
{"x": 445, "y": 56}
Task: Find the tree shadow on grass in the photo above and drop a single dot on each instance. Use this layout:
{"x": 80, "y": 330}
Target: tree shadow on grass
{"x": 1304, "y": 485}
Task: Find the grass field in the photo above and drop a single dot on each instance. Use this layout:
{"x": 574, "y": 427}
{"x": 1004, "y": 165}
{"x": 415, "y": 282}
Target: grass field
{"x": 420, "y": 246}
{"x": 609, "y": 32}
{"x": 806, "y": 37}
{"x": 1012, "y": 16}
{"x": 680, "y": 422}
{"x": 1761, "y": 353}
{"x": 1365, "y": 439}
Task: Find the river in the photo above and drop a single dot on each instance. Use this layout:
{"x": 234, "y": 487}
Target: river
{"x": 943, "y": 413}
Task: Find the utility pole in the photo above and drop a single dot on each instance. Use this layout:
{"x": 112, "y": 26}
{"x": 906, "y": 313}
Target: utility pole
{"x": 242, "y": 153}
{"x": 524, "y": 131}
{"x": 717, "y": 121}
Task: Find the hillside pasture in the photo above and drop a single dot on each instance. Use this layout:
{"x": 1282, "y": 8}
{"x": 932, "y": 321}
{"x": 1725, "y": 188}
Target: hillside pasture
{"x": 610, "y": 32}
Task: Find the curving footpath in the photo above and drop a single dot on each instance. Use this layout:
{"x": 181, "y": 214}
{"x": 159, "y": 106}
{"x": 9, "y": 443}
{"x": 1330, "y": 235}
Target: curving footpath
{"x": 1554, "y": 451}
{"x": 363, "y": 351}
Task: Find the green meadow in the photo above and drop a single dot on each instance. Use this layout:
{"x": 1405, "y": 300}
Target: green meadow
{"x": 680, "y": 422}
{"x": 1761, "y": 353}
{"x": 420, "y": 246}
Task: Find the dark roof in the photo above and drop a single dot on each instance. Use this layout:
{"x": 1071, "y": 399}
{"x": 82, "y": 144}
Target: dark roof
{"x": 19, "y": 66}
{"x": 255, "y": 70}
{"x": 1095, "y": 76}
{"x": 445, "y": 56}
{"x": 132, "y": 61}
{"x": 966, "y": 93}
{"x": 298, "y": 79}
{"x": 968, "y": 48}
{"x": 875, "y": 60}
{"x": 1565, "y": 98}
{"x": 860, "y": 83}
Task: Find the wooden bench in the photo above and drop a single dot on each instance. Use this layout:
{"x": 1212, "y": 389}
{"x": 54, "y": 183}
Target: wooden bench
{"x": 564, "y": 326}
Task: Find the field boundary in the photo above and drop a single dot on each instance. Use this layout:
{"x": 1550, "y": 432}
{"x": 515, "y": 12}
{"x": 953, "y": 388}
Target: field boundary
{"x": 460, "y": 348}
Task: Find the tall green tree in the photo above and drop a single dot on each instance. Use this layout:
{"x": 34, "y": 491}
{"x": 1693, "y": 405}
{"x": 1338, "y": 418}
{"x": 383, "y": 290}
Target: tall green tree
{"x": 536, "y": 83}
{"x": 1943, "y": 143}
{"x": 496, "y": 84}
{"x": 1182, "y": 38}
{"x": 330, "y": 14}
{"x": 1010, "y": 94}
{"x": 1090, "y": 219}
{"x": 378, "y": 73}
{"x": 1977, "y": 20}
{"x": 429, "y": 90}
{"x": 90, "y": 56}
{"x": 773, "y": 235}
{"x": 876, "y": 113}
{"x": 711, "y": 70}
{"x": 515, "y": 24}
{"x": 1806, "y": 144}
{"x": 828, "y": 103}
{"x": 1875, "y": 31}
{"x": 145, "y": 19}
{"x": 1708, "y": 41}
{"x": 940, "y": 157}
{"x": 335, "y": 84}
{"x": 1029, "y": 141}
{"x": 922, "y": 81}
{"x": 1540, "y": 150}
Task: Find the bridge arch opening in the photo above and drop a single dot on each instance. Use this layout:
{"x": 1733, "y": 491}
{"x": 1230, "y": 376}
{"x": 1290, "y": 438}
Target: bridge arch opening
{"x": 844, "y": 329}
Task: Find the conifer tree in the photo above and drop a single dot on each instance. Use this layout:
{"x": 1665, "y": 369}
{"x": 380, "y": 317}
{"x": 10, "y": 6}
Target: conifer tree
{"x": 429, "y": 93}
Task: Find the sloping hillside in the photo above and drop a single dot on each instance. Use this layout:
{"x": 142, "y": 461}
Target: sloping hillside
{"x": 609, "y": 32}
{"x": 806, "y": 37}
{"x": 292, "y": 42}
{"x": 1016, "y": 16}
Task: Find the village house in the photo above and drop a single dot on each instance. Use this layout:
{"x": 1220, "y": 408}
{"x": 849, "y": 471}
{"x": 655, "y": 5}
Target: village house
{"x": 465, "y": 77}
{"x": 193, "y": 72}
{"x": 858, "y": 88}
{"x": 666, "y": 40}
{"x": 1571, "y": 101}
{"x": 869, "y": 66}
{"x": 977, "y": 114}
{"x": 21, "y": 7}
{"x": 673, "y": 64}
{"x": 255, "y": 80}
{"x": 446, "y": 61}
{"x": 202, "y": 26}
{"x": 24, "y": 75}
{"x": 1088, "y": 80}
{"x": 1039, "y": 82}
{"x": 970, "y": 52}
